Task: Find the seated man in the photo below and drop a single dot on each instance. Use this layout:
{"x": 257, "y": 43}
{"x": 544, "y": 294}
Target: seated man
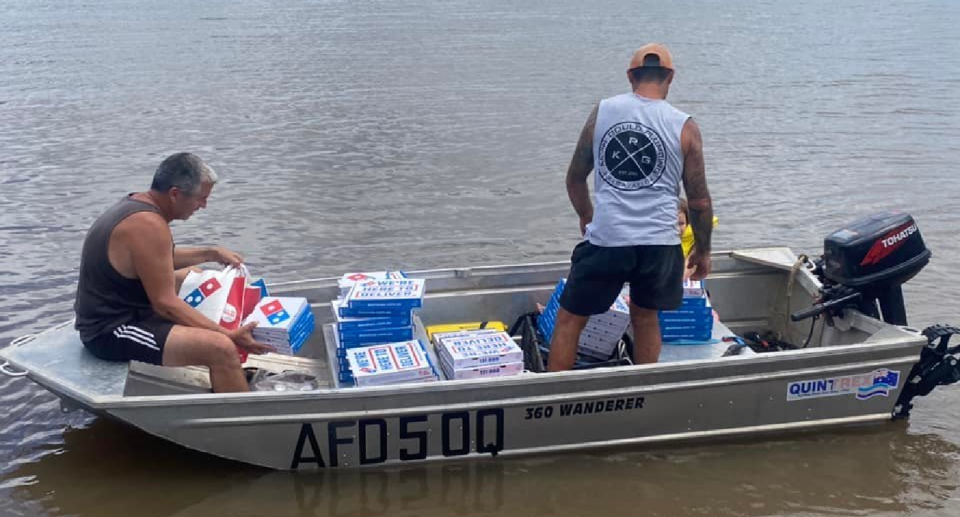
{"x": 127, "y": 304}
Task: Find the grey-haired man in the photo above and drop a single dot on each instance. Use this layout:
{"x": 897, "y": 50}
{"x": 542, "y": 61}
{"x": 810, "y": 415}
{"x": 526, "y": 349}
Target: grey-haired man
{"x": 127, "y": 305}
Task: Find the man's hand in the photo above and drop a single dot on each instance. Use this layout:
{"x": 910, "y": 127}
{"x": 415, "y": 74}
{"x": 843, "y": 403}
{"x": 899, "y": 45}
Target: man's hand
{"x": 243, "y": 338}
{"x": 584, "y": 221}
{"x": 700, "y": 263}
{"x": 225, "y": 256}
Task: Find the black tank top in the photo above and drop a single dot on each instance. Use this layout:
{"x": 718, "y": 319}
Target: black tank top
{"x": 105, "y": 298}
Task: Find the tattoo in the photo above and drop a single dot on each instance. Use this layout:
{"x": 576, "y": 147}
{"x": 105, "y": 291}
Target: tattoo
{"x": 695, "y": 184}
{"x": 581, "y": 165}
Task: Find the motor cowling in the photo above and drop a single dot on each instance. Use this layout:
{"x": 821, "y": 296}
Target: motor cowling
{"x": 865, "y": 263}
{"x": 875, "y": 253}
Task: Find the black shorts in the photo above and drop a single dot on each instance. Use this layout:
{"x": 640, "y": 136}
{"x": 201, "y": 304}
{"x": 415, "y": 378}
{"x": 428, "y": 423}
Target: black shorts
{"x": 597, "y": 275}
{"x": 139, "y": 340}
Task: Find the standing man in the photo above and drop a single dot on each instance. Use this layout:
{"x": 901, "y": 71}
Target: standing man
{"x": 127, "y": 305}
{"x": 641, "y": 148}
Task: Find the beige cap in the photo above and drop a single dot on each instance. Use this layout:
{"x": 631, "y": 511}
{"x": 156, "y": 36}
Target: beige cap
{"x": 647, "y": 52}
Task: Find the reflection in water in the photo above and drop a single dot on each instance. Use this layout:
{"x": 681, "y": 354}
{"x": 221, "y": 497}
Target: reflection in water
{"x": 109, "y": 468}
{"x": 865, "y": 470}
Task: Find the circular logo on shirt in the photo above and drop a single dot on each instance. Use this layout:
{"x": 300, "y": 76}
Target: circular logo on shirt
{"x": 632, "y": 156}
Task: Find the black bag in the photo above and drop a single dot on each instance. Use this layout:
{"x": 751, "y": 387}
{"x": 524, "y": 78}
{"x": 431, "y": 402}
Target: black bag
{"x": 536, "y": 351}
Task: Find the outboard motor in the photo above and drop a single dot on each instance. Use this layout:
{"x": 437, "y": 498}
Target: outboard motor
{"x": 865, "y": 264}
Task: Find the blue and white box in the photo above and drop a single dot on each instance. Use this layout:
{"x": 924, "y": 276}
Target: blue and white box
{"x": 391, "y": 363}
{"x": 474, "y": 349}
{"x": 602, "y": 331}
{"x": 393, "y": 319}
{"x": 348, "y": 280}
{"x": 693, "y": 320}
{"x": 283, "y": 322}
{"x": 372, "y": 298}
{"x": 478, "y": 372}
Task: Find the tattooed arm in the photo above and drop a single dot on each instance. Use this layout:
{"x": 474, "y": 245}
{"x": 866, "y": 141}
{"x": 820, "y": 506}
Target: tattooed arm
{"x": 580, "y": 167}
{"x": 698, "y": 197}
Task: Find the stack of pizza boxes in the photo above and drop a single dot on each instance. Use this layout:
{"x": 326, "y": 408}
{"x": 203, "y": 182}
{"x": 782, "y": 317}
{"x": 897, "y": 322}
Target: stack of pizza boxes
{"x": 283, "y": 322}
{"x": 480, "y": 353}
{"x": 693, "y": 321}
{"x": 391, "y": 363}
{"x": 377, "y": 312}
{"x": 602, "y": 332}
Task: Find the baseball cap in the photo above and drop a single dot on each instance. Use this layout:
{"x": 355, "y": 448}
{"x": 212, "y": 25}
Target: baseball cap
{"x": 655, "y": 55}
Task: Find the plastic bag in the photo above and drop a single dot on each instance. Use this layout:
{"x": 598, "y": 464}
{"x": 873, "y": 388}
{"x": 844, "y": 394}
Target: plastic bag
{"x": 208, "y": 290}
{"x": 286, "y": 381}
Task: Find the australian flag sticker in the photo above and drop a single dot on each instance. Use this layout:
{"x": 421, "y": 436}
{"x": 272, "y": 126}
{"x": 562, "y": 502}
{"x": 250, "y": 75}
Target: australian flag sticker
{"x": 275, "y": 312}
{"x": 883, "y": 382}
{"x": 198, "y": 295}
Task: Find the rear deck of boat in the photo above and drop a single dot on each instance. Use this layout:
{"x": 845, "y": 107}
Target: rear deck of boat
{"x": 754, "y": 290}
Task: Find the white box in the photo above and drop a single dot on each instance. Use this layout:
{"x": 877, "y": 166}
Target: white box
{"x": 387, "y": 294}
{"x": 479, "y": 349}
{"x": 496, "y": 370}
{"x": 389, "y": 363}
{"x": 348, "y": 280}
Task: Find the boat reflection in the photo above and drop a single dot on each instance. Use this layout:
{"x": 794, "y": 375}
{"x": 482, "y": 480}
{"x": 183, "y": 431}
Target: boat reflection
{"x": 109, "y": 469}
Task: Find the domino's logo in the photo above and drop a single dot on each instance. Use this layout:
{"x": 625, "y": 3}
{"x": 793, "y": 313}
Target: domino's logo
{"x": 275, "y": 312}
{"x": 198, "y": 295}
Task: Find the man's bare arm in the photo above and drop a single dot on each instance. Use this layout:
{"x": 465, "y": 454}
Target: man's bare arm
{"x": 148, "y": 238}
{"x": 187, "y": 256}
{"x": 579, "y": 170}
{"x": 695, "y": 184}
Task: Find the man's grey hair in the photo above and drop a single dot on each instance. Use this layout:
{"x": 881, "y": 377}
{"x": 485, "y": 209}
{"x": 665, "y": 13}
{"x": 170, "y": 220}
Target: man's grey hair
{"x": 185, "y": 171}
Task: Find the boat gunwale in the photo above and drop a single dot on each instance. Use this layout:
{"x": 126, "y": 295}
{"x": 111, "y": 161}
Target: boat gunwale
{"x": 106, "y": 402}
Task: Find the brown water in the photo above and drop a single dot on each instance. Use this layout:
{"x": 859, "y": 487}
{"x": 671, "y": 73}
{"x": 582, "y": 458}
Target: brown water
{"x": 365, "y": 135}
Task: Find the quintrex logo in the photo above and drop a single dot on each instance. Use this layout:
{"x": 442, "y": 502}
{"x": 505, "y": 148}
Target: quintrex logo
{"x": 878, "y": 383}
{"x": 888, "y": 244}
{"x": 632, "y": 156}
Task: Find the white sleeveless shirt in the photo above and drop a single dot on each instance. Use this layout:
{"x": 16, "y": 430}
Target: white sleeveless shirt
{"x": 638, "y": 165}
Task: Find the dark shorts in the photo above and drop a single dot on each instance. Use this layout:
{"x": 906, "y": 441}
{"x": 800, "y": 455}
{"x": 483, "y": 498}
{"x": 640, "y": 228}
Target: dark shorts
{"x": 140, "y": 340}
{"x": 597, "y": 275}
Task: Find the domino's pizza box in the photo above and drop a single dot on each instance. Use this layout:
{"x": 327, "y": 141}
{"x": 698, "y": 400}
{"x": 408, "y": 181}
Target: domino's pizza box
{"x": 704, "y": 311}
{"x": 348, "y": 280}
{"x": 478, "y": 349}
{"x": 284, "y": 323}
{"x": 347, "y": 324}
{"x": 615, "y": 330}
{"x": 602, "y": 344}
{"x": 305, "y": 323}
{"x": 694, "y": 289}
{"x": 377, "y": 295}
{"x": 372, "y": 336}
{"x": 692, "y": 303}
{"x": 453, "y": 334}
{"x": 277, "y": 312}
{"x": 687, "y": 323}
{"x": 698, "y": 335}
{"x": 700, "y": 324}
{"x": 477, "y": 372}
{"x": 397, "y": 314}
{"x": 301, "y": 321}
{"x": 299, "y": 336}
{"x": 446, "y": 328}
{"x": 390, "y": 363}
{"x": 596, "y": 353}
{"x": 292, "y": 345}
